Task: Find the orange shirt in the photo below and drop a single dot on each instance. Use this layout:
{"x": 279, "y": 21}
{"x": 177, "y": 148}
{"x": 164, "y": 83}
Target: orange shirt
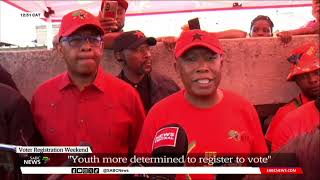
{"x": 299, "y": 121}
{"x": 281, "y": 113}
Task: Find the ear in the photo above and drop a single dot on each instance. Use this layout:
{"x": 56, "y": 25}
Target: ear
{"x": 60, "y": 49}
{"x": 177, "y": 67}
{"x": 222, "y": 60}
{"x": 102, "y": 45}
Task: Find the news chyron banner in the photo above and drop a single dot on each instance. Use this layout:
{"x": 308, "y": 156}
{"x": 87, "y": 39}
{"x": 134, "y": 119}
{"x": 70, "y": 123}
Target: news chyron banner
{"x": 81, "y": 160}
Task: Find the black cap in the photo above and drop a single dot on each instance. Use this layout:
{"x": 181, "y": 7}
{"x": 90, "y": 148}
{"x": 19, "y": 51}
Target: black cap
{"x": 131, "y": 40}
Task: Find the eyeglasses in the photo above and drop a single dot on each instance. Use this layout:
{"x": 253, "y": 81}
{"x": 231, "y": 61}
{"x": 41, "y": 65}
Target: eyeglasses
{"x": 78, "y": 41}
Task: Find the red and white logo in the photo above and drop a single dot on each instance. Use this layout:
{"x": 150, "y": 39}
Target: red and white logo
{"x": 165, "y": 137}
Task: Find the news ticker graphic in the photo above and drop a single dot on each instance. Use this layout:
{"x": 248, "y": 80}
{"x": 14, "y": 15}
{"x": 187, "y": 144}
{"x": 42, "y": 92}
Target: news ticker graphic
{"x": 161, "y": 170}
{"x": 53, "y": 149}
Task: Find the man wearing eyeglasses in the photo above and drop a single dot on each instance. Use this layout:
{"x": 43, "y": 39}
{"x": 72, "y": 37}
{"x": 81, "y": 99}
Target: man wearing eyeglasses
{"x": 85, "y": 104}
{"x": 132, "y": 51}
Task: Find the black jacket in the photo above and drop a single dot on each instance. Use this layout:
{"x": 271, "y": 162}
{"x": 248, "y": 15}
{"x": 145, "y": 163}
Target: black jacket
{"x": 160, "y": 86}
{"x": 16, "y": 121}
{"x": 6, "y": 78}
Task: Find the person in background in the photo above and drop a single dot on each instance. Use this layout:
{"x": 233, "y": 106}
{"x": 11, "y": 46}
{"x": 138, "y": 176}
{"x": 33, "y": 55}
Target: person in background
{"x": 113, "y": 26}
{"x": 261, "y": 26}
{"x": 17, "y": 127}
{"x": 6, "y": 78}
{"x": 16, "y": 120}
{"x": 215, "y": 120}
{"x": 305, "y": 72}
{"x": 132, "y": 51}
{"x": 311, "y": 27}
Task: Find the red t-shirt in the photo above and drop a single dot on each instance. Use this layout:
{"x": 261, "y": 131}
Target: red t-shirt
{"x": 281, "y": 113}
{"x": 299, "y": 121}
{"x": 209, "y": 129}
{"x": 107, "y": 114}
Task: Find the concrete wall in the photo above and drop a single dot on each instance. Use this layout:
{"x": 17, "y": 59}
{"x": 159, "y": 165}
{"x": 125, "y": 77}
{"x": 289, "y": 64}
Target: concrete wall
{"x": 255, "y": 67}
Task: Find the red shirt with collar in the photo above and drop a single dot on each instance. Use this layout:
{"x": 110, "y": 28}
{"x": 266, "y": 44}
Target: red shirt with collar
{"x": 302, "y": 120}
{"x": 108, "y": 114}
{"x": 208, "y": 129}
{"x": 281, "y": 113}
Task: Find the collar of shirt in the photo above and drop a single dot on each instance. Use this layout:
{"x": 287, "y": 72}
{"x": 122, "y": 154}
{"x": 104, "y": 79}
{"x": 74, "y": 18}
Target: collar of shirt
{"x": 304, "y": 99}
{"x": 144, "y": 83}
{"x": 99, "y": 81}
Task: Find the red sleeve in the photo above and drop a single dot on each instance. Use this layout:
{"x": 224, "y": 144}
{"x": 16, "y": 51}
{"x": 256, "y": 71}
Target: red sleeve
{"x": 274, "y": 123}
{"x": 148, "y": 132}
{"x": 258, "y": 142}
{"x": 278, "y": 118}
{"x": 284, "y": 132}
{"x": 138, "y": 119}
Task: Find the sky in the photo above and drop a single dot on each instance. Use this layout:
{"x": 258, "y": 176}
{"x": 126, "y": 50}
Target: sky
{"x": 21, "y": 31}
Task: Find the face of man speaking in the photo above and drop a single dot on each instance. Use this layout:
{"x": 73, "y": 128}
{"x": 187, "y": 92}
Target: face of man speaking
{"x": 200, "y": 71}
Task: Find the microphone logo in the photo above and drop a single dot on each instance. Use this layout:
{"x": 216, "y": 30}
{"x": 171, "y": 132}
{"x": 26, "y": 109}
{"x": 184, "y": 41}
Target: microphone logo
{"x": 165, "y": 137}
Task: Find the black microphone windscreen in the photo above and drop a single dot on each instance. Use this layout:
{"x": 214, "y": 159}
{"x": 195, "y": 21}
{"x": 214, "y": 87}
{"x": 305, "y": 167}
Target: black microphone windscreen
{"x": 170, "y": 141}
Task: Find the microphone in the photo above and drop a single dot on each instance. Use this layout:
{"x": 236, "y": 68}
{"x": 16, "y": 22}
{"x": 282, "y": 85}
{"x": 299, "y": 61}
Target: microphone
{"x": 170, "y": 142}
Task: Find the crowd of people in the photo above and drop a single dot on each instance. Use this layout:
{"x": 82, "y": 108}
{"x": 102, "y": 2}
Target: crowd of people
{"x": 123, "y": 114}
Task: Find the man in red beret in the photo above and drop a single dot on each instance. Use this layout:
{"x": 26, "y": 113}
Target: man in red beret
{"x": 305, "y": 72}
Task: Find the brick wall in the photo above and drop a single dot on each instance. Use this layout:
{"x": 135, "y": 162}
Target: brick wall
{"x": 256, "y": 68}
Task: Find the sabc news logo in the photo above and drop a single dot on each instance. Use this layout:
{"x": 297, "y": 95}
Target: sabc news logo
{"x": 85, "y": 170}
{"x": 36, "y": 160}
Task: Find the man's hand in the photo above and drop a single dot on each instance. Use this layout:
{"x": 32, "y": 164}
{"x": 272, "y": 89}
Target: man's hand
{"x": 185, "y": 27}
{"x": 285, "y": 36}
{"x": 108, "y": 24}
